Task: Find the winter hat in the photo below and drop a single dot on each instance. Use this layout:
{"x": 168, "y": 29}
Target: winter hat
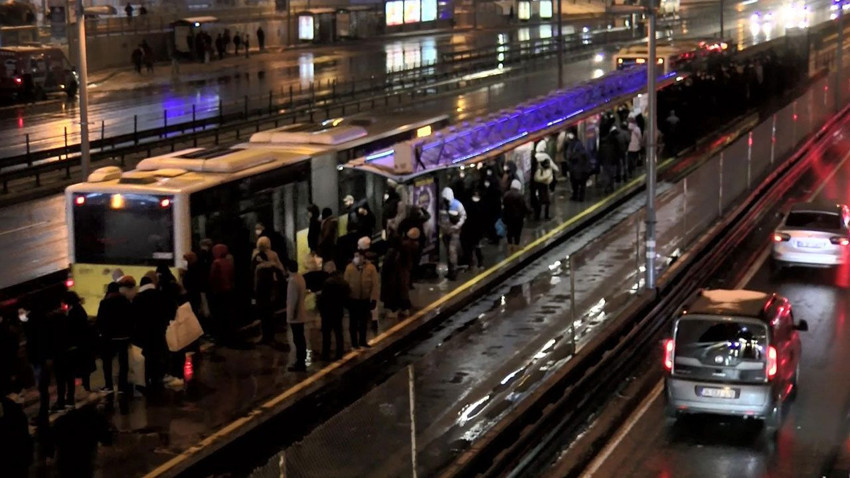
{"x": 326, "y": 213}
{"x": 413, "y": 233}
{"x": 348, "y": 200}
{"x": 264, "y": 244}
{"x": 127, "y": 281}
{"x": 541, "y": 147}
{"x": 117, "y": 274}
{"x": 364, "y": 243}
{"x": 515, "y": 184}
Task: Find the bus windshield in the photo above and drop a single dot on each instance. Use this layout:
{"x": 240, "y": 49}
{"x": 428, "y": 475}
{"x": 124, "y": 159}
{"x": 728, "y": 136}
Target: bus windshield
{"x": 131, "y": 229}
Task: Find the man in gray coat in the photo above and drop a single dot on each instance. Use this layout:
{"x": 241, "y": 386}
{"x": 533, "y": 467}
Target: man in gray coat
{"x": 296, "y": 314}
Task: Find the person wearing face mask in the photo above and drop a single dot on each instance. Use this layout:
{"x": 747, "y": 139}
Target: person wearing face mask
{"x": 578, "y": 165}
{"x": 452, "y": 219}
{"x": 473, "y": 231}
{"x": 362, "y": 278}
{"x": 510, "y": 172}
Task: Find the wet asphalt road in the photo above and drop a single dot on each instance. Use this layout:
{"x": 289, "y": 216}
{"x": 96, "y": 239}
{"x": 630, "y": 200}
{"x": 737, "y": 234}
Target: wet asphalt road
{"x": 112, "y": 108}
{"x": 707, "y": 446}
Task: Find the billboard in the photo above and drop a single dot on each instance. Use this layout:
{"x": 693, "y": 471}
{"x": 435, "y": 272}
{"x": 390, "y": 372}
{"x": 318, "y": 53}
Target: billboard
{"x": 429, "y": 10}
{"x": 395, "y": 12}
{"x": 411, "y": 11}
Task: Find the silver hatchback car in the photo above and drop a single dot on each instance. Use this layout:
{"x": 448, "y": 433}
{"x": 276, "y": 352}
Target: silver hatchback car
{"x": 812, "y": 235}
{"x": 733, "y": 352}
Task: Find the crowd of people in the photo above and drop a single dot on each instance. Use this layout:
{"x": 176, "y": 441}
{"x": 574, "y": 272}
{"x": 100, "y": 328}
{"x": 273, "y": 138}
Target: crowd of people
{"x": 206, "y": 48}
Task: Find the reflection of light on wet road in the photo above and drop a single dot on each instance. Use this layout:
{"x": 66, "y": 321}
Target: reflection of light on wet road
{"x": 472, "y": 410}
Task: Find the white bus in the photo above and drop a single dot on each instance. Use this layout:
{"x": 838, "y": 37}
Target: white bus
{"x": 153, "y": 215}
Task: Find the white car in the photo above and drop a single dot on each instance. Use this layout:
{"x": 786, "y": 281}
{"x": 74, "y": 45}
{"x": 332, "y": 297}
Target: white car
{"x": 813, "y": 235}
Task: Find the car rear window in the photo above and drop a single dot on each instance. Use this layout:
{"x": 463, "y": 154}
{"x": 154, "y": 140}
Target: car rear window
{"x": 734, "y": 342}
{"x": 814, "y": 220}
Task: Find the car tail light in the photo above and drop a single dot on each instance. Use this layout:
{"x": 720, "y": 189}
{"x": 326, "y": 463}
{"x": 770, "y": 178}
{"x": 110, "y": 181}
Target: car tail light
{"x": 69, "y": 282}
{"x": 839, "y": 241}
{"x": 669, "y": 347}
{"x": 19, "y": 81}
{"x": 781, "y": 237}
{"x": 771, "y": 362}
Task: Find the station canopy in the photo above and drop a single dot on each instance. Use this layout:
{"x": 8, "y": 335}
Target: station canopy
{"x": 470, "y": 142}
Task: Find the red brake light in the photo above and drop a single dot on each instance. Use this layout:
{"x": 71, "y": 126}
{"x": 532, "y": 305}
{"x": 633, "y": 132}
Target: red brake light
{"x": 780, "y": 237}
{"x": 188, "y": 368}
{"x": 164, "y": 203}
{"x": 80, "y": 200}
{"x": 669, "y": 346}
{"x": 19, "y": 81}
{"x": 839, "y": 241}
{"x": 771, "y": 362}
{"x": 69, "y": 283}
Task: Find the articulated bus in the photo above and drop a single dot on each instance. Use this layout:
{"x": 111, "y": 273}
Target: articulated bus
{"x": 136, "y": 220}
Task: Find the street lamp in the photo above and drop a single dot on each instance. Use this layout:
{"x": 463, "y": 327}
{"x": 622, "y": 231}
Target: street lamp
{"x": 652, "y": 114}
{"x": 85, "y": 158}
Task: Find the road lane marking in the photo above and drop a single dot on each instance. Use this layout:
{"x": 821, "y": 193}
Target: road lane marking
{"x": 24, "y": 228}
{"x": 624, "y": 430}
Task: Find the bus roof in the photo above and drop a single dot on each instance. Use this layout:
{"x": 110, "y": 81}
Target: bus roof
{"x": 340, "y": 133}
{"x": 191, "y": 170}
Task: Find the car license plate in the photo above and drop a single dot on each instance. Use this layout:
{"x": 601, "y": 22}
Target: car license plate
{"x": 810, "y": 244}
{"x": 716, "y": 392}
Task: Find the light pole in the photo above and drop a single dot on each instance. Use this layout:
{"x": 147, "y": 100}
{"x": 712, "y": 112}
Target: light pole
{"x": 85, "y": 158}
{"x": 839, "y": 56}
{"x": 560, "y": 38}
{"x": 721, "y": 19}
{"x": 650, "y": 137}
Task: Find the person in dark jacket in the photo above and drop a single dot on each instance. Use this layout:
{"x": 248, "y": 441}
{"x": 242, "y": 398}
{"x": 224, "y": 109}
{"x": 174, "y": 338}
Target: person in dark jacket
{"x": 76, "y": 436}
{"x": 83, "y": 341}
{"x": 114, "y": 326}
{"x": 473, "y": 231}
{"x": 391, "y": 280}
{"x": 578, "y": 164}
{"x": 168, "y": 285}
{"x": 514, "y": 212}
{"x": 328, "y": 236}
{"x": 267, "y": 278}
{"x": 278, "y": 243}
{"x": 153, "y": 311}
{"x": 15, "y": 441}
{"x": 222, "y": 291}
{"x": 314, "y": 229}
{"x": 193, "y": 280}
{"x": 610, "y": 153}
{"x": 491, "y": 199}
{"x": 331, "y": 303}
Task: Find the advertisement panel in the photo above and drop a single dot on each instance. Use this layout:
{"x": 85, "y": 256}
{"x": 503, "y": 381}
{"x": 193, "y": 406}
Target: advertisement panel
{"x": 524, "y": 10}
{"x": 429, "y": 10}
{"x": 305, "y": 27}
{"x": 411, "y": 11}
{"x": 395, "y": 12}
{"x": 545, "y": 8}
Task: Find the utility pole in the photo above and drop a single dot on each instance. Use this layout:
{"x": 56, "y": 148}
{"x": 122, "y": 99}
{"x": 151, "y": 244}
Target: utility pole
{"x": 721, "y": 18}
{"x": 560, "y": 37}
{"x": 85, "y": 158}
{"x": 651, "y": 125}
{"x": 839, "y": 57}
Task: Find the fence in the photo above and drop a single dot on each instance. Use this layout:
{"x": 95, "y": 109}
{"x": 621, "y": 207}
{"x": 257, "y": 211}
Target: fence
{"x": 400, "y": 427}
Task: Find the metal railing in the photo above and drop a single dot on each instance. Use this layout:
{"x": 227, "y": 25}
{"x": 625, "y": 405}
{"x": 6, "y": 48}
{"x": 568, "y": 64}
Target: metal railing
{"x": 291, "y": 105}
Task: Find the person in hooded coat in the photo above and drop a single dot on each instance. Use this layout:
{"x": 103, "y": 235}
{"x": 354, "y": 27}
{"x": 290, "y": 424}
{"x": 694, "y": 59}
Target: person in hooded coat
{"x": 452, "y": 218}
{"x": 331, "y": 304}
{"x": 222, "y": 291}
{"x": 83, "y": 338}
{"x": 153, "y": 310}
{"x": 634, "y": 147}
{"x": 610, "y": 151}
{"x": 513, "y": 214}
{"x": 491, "y": 198}
{"x": 391, "y": 279}
{"x": 115, "y": 326}
{"x": 329, "y": 235}
{"x": 473, "y": 231}
{"x": 544, "y": 177}
{"x": 578, "y": 165}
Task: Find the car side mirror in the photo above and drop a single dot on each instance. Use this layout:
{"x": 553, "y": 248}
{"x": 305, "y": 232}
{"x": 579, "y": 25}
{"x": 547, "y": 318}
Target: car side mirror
{"x": 802, "y": 326}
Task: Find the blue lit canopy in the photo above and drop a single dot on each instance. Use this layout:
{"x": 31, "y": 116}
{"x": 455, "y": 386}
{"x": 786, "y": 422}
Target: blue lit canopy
{"x": 461, "y": 143}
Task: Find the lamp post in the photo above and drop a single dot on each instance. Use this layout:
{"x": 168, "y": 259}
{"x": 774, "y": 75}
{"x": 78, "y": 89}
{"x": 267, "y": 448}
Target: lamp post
{"x": 650, "y": 138}
{"x": 85, "y": 158}
{"x": 839, "y": 57}
{"x": 560, "y": 38}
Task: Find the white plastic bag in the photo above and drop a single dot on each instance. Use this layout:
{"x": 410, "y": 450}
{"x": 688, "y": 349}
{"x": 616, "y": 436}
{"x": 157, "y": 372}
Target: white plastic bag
{"x": 184, "y": 329}
{"x": 136, "y": 375}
